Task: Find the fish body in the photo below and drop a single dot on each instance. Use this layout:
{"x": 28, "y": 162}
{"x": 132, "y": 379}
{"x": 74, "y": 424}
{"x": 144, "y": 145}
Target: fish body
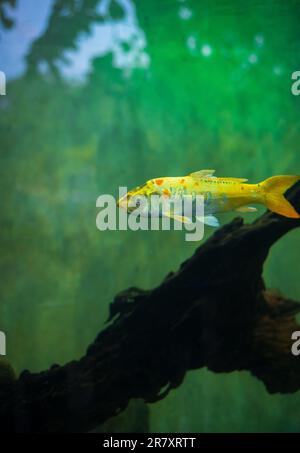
{"x": 220, "y": 195}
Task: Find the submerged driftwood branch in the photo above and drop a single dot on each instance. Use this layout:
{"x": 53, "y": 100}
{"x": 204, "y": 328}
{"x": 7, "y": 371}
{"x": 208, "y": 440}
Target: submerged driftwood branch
{"x": 214, "y": 311}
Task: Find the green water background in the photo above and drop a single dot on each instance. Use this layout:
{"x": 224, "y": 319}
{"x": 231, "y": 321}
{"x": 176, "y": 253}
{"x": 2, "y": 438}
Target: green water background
{"x": 215, "y": 93}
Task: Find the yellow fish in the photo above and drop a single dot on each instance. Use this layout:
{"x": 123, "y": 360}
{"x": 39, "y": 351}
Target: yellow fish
{"x": 220, "y": 195}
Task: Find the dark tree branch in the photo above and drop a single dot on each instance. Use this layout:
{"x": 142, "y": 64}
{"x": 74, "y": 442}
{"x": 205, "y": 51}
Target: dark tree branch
{"x": 214, "y": 312}
{"x": 6, "y": 21}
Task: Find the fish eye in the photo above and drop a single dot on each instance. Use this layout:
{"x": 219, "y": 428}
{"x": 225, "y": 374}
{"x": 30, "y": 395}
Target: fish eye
{"x": 138, "y": 202}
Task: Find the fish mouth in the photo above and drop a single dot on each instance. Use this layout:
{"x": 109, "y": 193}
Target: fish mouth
{"x": 123, "y": 202}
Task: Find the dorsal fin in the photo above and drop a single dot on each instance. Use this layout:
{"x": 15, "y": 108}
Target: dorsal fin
{"x": 202, "y": 174}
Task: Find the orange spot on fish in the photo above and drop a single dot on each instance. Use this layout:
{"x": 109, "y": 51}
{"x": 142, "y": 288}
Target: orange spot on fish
{"x": 159, "y": 181}
{"x": 242, "y": 188}
{"x": 166, "y": 192}
{"x": 182, "y": 181}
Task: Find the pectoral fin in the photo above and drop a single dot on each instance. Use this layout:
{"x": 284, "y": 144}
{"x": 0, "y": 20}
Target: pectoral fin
{"x": 246, "y": 209}
{"x": 178, "y": 218}
{"x": 210, "y": 220}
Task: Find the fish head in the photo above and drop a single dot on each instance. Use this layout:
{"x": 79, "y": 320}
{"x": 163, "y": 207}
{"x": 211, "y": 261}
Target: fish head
{"x": 136, "y": 197}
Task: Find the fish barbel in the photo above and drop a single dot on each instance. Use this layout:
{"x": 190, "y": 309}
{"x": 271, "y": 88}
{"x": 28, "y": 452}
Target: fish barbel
{"x": 219, "y": 194}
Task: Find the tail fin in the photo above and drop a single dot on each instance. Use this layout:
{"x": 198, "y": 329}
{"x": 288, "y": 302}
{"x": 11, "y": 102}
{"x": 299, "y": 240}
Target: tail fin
{"x": 274, "y": 189}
